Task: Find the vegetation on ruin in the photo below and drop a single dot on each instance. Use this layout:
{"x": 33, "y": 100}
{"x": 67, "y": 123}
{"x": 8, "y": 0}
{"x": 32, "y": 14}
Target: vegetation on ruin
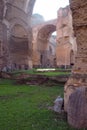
{"x": 24, "y": 107}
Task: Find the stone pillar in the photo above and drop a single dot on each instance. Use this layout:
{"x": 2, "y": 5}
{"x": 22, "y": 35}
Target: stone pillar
{"x": 65, "y": 38}
{"x": 79, "y": 73}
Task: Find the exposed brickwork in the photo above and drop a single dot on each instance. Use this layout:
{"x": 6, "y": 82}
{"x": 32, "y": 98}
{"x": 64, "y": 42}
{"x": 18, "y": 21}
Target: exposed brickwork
{"x": 65, "y": 38}
{"x": 41, "y": 44}
{"x": 79, "y": 72}
{"x": 15, "y": 18}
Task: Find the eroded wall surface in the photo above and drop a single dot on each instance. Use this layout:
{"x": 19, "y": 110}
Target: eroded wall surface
{"x": 79, "y": 72}
{"x": 66, "y": 41}
{"x": 75, "y": 92}
{"x": 15, "y": 20}
{"x": 41, "y": 35}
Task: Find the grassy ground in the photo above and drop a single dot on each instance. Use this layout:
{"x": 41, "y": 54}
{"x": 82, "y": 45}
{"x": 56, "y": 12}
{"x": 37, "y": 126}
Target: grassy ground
{"x": 55, "y": 73}
{"x": 33, "y": 71}
{"x": 26, "y": 107}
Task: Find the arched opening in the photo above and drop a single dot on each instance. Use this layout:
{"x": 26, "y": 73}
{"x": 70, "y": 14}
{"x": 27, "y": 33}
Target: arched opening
{"x": 72, "y": 58}
{"x": 52, "y": 50}
{"x": 19, "y": 47}
{"x": 46, "y": 45}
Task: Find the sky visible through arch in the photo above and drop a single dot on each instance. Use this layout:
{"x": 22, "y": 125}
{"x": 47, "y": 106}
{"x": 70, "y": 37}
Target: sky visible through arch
{"x": 49, "y": 8}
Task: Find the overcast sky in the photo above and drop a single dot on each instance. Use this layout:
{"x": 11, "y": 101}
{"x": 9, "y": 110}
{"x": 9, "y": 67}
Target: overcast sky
{"x": 48, "y": 8}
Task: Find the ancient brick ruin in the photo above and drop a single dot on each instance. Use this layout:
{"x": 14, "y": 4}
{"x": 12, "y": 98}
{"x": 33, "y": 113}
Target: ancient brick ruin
{"x": 66, "y": 42}
{"x": 23, "y": 46}
{"x": 76, "y": 86}
{"x": 65, "y": 47}
{"x": 44, "y": 45}
{"x": 15, "y": 33}
{"x": 79, "y": 72}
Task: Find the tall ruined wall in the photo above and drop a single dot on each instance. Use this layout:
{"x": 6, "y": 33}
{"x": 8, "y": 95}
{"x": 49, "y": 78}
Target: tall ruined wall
{"x": 65, "y": 37}
{"x": 75, "y": 91}
{"x": 16, "y": 15}
{"x": 79, "y": 72}
{"x": 80, "y": 29}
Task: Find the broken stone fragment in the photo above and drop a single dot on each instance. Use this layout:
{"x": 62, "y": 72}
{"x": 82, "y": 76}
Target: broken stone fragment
{"x": 58, "y": 103}
{"x": 77, "y": 108}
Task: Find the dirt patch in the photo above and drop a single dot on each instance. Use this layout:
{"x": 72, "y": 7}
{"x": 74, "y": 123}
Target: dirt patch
{"x": 6, "y": 75}
{"x": 42, "y": 80}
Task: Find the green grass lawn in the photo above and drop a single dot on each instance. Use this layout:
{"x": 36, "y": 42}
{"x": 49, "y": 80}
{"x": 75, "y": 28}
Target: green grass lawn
{"x": 55, "y": 73}
{"x": 24, "y": 107}
{"x": 49, "y": 73}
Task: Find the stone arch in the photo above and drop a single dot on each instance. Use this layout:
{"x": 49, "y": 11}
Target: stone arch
{"x": 14, "y": 21}
{"x": 29, "y": 6}
{"x": 25, "y": 5}
{"x": 43, "y": 43}
{"x": 17, "y": 13}
{"x": 44, "y": 35}
{"x": 19, "y": 50}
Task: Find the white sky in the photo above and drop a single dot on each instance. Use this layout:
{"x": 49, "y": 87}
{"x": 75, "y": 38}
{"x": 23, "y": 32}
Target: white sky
{"x": 49, "y": 8}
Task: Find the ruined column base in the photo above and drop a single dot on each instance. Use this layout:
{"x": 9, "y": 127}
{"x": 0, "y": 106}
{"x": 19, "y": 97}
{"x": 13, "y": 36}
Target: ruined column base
{"x": 75, "y": 81}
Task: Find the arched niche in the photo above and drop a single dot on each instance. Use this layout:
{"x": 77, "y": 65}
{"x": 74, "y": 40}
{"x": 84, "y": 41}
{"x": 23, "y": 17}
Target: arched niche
{"x": 19, "y": 50}
{"x": 19, "y": 31}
